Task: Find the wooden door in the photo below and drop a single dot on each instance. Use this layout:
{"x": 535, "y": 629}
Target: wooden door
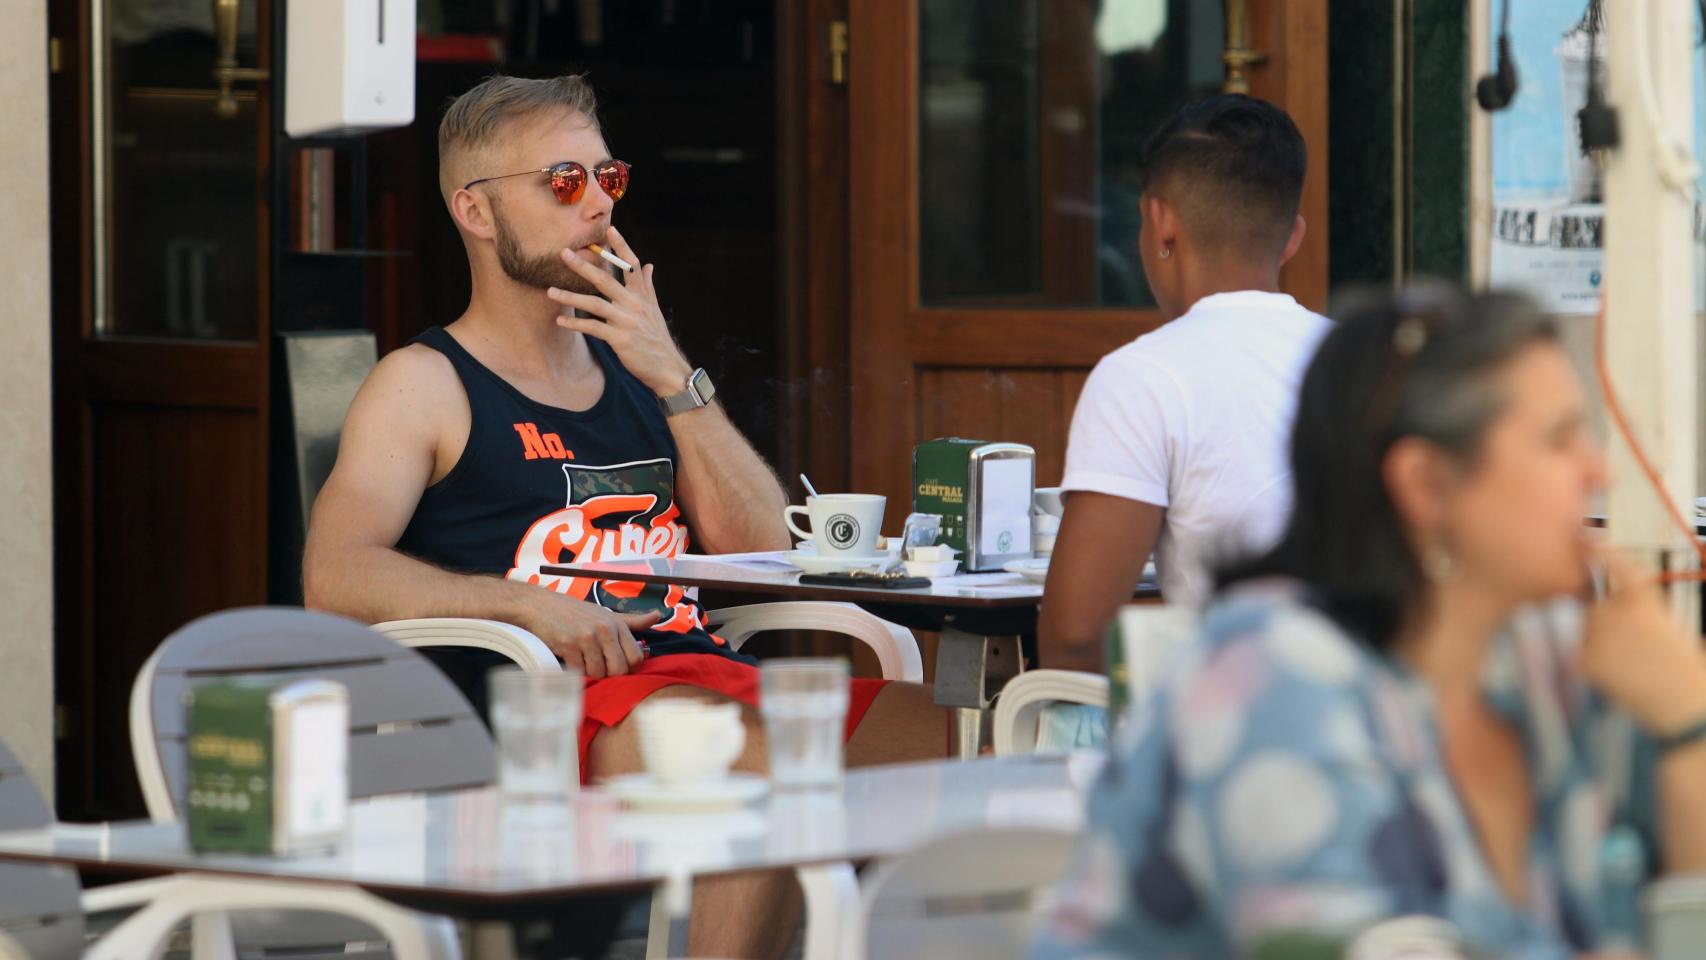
{"x": 160, "y": 359}
{"x": 993, "y": 202}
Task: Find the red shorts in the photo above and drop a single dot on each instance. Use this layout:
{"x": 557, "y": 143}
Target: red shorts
{"x": 609, "y": 700}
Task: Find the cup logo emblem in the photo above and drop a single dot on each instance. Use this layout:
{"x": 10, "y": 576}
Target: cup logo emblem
{"x": 1004, "y": 542}
{"x": 842, "y": 531}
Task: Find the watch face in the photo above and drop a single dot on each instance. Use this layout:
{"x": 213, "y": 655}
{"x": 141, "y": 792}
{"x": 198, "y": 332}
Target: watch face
{"x": 700, "y": 384}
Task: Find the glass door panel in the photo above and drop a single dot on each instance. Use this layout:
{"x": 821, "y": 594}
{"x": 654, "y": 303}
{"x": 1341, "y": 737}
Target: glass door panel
{"x": 1032, "y": 116}
{"x": 177, "y": 253}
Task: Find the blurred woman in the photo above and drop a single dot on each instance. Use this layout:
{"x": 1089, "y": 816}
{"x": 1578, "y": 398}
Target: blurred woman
{"x": 1400, "y": 709}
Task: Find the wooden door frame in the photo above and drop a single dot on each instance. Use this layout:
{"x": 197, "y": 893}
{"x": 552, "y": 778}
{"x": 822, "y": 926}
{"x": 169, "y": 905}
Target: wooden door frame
{"x": 812, "y": 248}
{"x": 147, "y": 371}
{"x": 883, "y": 235}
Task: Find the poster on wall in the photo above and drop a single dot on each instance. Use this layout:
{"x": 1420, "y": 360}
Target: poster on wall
{"x": 1548, "y": 200}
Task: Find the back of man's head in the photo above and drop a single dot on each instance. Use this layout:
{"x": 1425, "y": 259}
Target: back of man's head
{"x": 1232, "y": 166}
{"x": 475, "y": 123}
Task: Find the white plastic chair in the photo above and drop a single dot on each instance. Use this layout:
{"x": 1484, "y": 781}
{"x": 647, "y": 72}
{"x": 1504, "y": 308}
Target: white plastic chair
{"x": 521, "y": 646}
{"x": 208, "y": 901}
{"x": 1150, "y": 635}
{"x": 895, "y": 647}
{"x": 971, "y": 896}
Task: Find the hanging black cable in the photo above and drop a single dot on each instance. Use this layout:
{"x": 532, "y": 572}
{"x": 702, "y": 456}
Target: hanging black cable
{"x": 1596, "y": 121}
{"x": 1496, "y": 90}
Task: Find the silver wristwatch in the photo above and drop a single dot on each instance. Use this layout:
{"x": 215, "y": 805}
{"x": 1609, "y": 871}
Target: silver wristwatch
{"x": 699, "y": 393}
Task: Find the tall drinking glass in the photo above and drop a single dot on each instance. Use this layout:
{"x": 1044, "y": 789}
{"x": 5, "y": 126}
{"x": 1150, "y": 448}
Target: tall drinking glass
{"x": 804, "y": 702}
{"x": 536, "y": 719}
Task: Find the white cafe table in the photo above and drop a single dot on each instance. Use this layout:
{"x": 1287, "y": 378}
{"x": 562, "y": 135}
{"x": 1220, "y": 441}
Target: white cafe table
{"x": 462, "y": 854}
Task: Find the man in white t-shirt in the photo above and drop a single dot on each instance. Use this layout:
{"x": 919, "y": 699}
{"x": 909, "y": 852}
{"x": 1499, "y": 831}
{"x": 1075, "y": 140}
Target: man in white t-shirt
{"x": 1179, "y": 443}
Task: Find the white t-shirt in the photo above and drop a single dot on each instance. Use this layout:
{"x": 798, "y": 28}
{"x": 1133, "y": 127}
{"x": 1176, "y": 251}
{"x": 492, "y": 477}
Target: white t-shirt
{"x": 1195, "y": 417}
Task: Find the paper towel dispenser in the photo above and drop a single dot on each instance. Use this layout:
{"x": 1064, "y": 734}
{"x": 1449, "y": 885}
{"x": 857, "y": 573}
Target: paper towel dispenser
{"x": 349, "y": 66}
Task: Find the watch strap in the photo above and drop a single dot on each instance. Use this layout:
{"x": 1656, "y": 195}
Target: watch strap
{"x": 698, "y": 394}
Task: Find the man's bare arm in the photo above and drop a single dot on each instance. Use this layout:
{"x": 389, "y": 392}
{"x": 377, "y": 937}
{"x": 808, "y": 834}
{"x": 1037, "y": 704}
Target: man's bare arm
{"x": 731, "y": 495}
{"x": 385, "y": 460}
{"x": 1098, "y": 559}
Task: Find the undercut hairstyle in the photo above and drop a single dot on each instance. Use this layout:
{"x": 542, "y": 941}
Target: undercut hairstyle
{"x": 473, "y": 121}
{"x": 1422, "y": 362}
{"x": 1233, "y": 167}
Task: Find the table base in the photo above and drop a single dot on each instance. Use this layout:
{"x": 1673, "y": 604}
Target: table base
{"x": 970, "y": 671}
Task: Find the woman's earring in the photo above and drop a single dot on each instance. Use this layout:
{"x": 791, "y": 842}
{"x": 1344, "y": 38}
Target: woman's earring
{"x": 1441, "y": 567}
{"x": 1166, "y": 252}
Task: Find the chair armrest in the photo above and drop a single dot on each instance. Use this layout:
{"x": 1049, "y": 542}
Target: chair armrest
{"x": 180, "y": 898}
{"x": 894, "y": 645}
{"x": 1018, "y": 707}
{"x": 122, "y": 896}
{"x": 527, "y": 650}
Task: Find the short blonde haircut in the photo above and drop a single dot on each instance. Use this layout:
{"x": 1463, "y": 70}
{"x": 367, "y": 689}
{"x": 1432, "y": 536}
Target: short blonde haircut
{"x": 473, "y": 120}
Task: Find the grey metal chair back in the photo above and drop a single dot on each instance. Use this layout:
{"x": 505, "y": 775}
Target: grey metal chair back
{"x": 315, "y": 376}
{"x": 40, "y": 907}
{"x": 411, "y": 730}
{"x": 323, "y": 371}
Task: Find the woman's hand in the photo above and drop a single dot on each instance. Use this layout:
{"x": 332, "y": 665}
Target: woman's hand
{"x": 1634, "y": 652}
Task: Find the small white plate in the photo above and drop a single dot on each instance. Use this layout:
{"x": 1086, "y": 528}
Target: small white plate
{"x": 641, "y": 792}
{"x": 812, "y": 563}
{"x": 1035, "y": 569}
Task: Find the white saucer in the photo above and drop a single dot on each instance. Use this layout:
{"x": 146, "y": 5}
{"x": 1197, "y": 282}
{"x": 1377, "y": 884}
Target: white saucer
{"x": 810, "y": 562}
{"x": 892, "y": 548}
{"x": 640, "y": 791}
{"x": 1035, "y": 569}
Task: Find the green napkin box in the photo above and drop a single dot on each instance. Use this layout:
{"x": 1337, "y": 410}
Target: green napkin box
{"x": 268, "y": 766}
{"x": 982, "y": 491}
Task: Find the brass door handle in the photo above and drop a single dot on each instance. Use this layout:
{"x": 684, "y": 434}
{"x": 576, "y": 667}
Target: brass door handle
{"x": 1237, "y": 56}
{"x": 225, "y": 70}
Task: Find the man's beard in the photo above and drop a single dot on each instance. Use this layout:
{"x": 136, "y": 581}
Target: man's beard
{"x": 542, "y": 271}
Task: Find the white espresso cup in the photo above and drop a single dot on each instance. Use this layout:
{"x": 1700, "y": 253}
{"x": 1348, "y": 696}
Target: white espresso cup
{"x": 843, "y": 524}
{"x": 686, "y": 742}
{"x": 1048, "y": 501}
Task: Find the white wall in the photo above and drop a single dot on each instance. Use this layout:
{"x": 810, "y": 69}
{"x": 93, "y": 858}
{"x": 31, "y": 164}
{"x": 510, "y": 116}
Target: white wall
{"x": 26, "y": 528}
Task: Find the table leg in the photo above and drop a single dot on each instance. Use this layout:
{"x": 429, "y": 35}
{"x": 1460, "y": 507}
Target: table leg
{"x": 967, "y": 731}
{"x": 970, "y": 670}
{"x": 832, "y": 908}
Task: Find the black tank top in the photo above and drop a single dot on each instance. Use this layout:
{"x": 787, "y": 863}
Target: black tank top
{"x": 538, "y": 485}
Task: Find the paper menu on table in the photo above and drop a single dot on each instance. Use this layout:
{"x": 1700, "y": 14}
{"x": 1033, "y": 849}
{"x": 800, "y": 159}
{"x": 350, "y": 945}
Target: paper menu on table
{"x": 1004, "y": 510}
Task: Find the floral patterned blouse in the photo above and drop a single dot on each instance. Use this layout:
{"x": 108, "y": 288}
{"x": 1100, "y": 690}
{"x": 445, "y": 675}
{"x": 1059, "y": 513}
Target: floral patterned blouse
{"x": 1287, "y": 778}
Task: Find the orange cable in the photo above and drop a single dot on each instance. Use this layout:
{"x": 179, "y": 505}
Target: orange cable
{"x": 1615, "y": 408}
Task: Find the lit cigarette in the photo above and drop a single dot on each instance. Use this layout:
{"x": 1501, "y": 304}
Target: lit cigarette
{"x": 611, "y": 257}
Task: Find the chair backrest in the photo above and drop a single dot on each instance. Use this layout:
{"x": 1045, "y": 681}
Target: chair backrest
{"x": 411, "y": 731}
{"x": 970, "y": 895}
{"x": 315, "y": 376}
{"x": 40, "y": 908}
{"x": 323, "y": 370}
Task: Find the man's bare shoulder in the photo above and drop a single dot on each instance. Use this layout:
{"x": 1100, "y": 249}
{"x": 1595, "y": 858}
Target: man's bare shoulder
{"x": 412, "y": 388}
{"x": 413, "y": 375}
